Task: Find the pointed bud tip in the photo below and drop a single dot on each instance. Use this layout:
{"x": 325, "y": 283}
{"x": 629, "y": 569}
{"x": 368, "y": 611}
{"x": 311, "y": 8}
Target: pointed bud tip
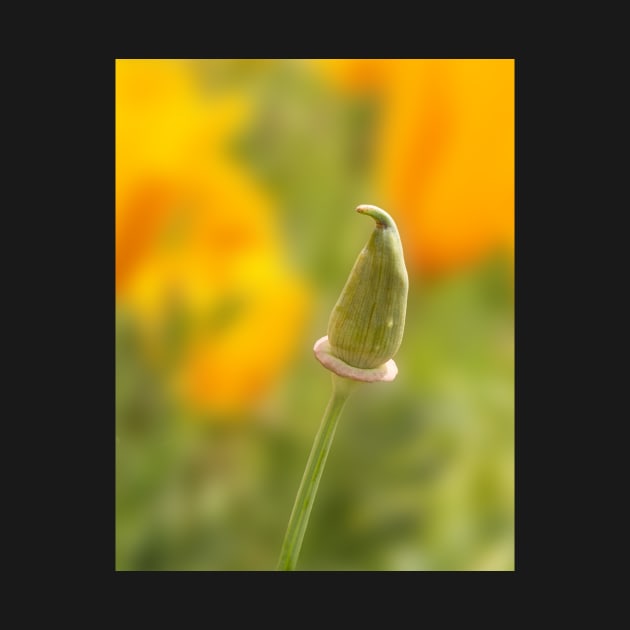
{"x": 382, "y": 218}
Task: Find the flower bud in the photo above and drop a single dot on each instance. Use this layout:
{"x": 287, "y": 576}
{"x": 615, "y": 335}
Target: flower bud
{"x": 366, "y": 325}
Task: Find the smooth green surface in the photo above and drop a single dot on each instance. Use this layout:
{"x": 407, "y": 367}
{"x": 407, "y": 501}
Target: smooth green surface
{"x": 313, "y": 472}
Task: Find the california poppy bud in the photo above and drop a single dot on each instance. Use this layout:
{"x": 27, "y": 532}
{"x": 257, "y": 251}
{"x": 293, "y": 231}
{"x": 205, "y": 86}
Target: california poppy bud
{"x": 366, "y": 325}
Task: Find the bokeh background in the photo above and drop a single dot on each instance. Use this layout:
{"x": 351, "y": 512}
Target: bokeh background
{"x": 236, "y": 185}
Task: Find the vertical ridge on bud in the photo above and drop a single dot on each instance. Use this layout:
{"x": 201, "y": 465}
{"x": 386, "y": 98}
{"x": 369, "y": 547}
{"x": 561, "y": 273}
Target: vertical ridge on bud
{"x": 366, "y": 325}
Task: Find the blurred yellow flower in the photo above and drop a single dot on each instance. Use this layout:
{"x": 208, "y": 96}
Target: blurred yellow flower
{"x": 444, "y": 153}
{"x": 196, "y": 242}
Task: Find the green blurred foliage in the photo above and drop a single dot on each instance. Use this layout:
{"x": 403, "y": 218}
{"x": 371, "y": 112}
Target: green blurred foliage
{"x": 420, "y": 476}
{"x": 421, "y": 473}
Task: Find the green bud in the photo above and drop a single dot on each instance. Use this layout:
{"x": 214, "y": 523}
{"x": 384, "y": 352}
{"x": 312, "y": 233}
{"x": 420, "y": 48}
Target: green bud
{"x": 366, "y": 325}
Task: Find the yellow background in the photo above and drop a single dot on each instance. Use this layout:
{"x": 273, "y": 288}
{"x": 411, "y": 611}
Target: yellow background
{"x": 236, "y": 184}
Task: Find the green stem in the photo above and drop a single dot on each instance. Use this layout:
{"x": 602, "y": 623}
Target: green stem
{"x": 342, "y": 388}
